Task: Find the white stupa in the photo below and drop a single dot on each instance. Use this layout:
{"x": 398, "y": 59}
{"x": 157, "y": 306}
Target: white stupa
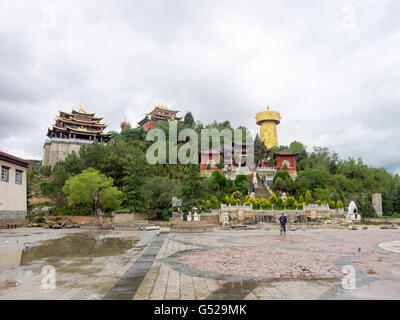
{"x": 352, "y": 212}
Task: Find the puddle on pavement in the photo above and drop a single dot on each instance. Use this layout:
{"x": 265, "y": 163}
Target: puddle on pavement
{"x": 73, "y": 250}
{"x": 238, "y": 290}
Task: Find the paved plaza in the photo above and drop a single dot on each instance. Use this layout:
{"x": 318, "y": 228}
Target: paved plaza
{"x": 215, "y": 265}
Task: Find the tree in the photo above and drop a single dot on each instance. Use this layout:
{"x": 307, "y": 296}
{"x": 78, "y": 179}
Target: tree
{"x": 290, "y": 202}
{"x": 192, "y": 187}
{"x": 339, "y": 204}
{"x": 136, "y": 174}
{"x": 279, "y": 184}
{"x": 93, "y": 190}
{"x": 93, "y": 155}
{"x": 189, "y": 120}
{"x": 217, "y": 181}
{"x": 283, "y": 182}
{"x": 133, "y": 134}
{"x": 273, "y": 199}
{"x": 162, "y": 190}
{"x": 296, "y": 146}
{"x": 125, "y": 125}
{"x": 332, "y": 204}
{"x": 284, "y": 175}
{"x": 242, "y": 183}
{"x": 364, "y": 205}
{"x": 322, "y": 194}
{"x": 396, "y": 205}
{"x": 62, "y": 171}
{"x": 260, "y": 150}
{"x": 308, "y": 198}
{"x": 309, "y": 179}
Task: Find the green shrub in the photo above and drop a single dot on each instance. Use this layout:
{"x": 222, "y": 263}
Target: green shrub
{"x": 242, "y": 183}
{"x": 40, "y": 220}
{"x": 308, "y": 198}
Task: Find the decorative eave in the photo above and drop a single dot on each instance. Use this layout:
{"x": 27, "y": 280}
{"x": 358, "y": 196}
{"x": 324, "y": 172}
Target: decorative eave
{"x": 89, "y": 123}
{"x": 286, "y": 153}
{"x": 81, "y": 111}
{"x": 59, "y": 128}
{"x": 14, "y": 160}
{"x": 165, "y": 108}
{"x": 84, "y": 130}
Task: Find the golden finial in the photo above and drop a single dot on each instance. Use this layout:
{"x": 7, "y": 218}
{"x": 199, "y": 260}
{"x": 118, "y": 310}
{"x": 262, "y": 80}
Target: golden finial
{"x": 268, "y": 108}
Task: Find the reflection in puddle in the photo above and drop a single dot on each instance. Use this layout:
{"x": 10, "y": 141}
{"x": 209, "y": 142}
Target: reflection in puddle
{"x": 75, "y": 246}
{"x": 10, "y": 259}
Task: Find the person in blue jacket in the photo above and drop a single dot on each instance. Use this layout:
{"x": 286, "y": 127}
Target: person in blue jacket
{"x": 283, "y": 221}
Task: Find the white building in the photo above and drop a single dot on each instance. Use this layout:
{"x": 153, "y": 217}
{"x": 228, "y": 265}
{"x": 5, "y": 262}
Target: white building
{"x": 13, "y": 188}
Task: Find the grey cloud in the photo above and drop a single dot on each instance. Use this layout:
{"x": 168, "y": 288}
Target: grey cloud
{"x": 221, "y": 60}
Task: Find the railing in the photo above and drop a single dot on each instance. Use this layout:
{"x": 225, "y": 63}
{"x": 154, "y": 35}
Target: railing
{"x": 225, "y": 207}
{"x": 266, "y": 169}
{"x": 69, "y": 140}
{"x": 316, "y": 207}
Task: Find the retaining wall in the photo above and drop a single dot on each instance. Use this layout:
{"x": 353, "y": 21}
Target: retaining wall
{"x": 126, "y": 218}
{"x": 382, "y": 220}
{"x": 17, "y": 217}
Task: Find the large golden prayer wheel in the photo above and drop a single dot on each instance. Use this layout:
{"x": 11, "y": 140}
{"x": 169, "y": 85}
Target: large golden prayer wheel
{"x": 267, "y": 120}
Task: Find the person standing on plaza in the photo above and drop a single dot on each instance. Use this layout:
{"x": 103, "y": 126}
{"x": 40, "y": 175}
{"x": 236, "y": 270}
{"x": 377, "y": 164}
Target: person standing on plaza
{"x": 283, "y": 221}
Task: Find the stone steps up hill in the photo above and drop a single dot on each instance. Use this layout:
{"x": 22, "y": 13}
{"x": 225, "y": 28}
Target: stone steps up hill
{"x": 260, "y": 191}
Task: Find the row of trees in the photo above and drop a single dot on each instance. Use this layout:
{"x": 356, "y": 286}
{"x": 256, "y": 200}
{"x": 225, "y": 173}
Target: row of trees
{"x": 331, "y": 179}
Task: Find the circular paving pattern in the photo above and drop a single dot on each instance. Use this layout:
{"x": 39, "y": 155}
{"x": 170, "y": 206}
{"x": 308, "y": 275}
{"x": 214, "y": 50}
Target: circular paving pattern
{"x": 306, "y": 256}
{"x": 393, "y": 246}
{"x": 265, "y": 262}
{"x": 274, "y": 239}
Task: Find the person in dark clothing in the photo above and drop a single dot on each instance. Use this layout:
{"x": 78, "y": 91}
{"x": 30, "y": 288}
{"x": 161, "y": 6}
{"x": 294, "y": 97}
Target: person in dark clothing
{"x": 252, "y": 187}
{"x": 283, "y": 221}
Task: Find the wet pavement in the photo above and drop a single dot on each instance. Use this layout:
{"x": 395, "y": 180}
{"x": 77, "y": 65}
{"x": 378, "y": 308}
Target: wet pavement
{"x": 265, "y": 265}
{"x": 129, "y": 283}
{"x": 215, "y": 265}
{"x": 86, "y": 263}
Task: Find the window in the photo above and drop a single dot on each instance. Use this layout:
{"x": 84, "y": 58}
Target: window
{"x": 5, "y": 173}
{"x": 18, "y": 177}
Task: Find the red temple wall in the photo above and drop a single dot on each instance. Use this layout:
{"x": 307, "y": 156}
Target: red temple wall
{"x": 291, "y": 159}
{"x": 148, "y": 125}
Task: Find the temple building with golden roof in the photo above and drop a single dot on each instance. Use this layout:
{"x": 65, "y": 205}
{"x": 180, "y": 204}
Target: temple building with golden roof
{"x": 70, "y": 131}
{"x": 159, "y": 113}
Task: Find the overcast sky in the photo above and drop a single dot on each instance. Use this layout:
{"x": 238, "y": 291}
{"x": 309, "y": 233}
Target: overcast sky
{"x": 330, "y": 67}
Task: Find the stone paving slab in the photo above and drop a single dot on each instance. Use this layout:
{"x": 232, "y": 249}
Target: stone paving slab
{"x": 227, "y": 265}
{"x": 129, "y": 283}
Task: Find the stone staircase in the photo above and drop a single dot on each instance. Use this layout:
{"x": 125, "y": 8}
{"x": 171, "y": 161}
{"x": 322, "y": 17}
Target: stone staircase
{"x": 261, "y": 191}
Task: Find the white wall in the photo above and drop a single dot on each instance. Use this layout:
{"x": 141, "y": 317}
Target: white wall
{"x": 12, "y": 195}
